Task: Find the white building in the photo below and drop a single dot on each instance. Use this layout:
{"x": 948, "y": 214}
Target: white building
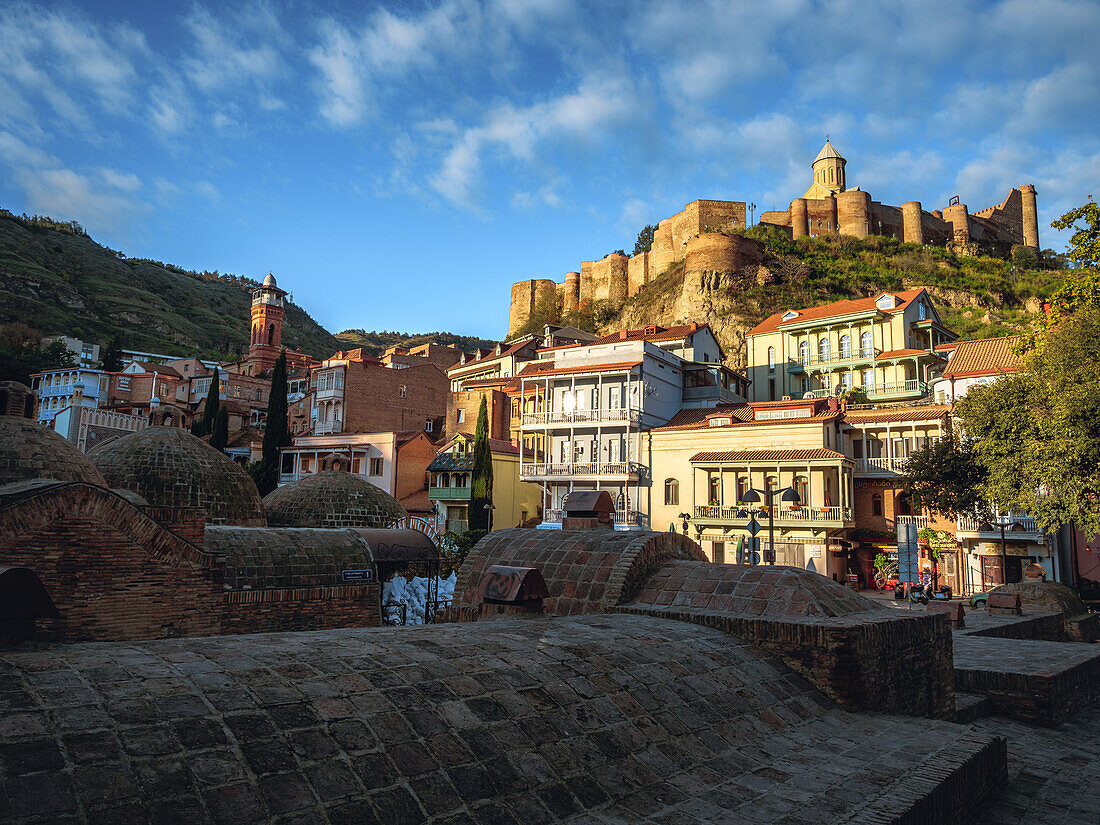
{"x": 584, "y": 408}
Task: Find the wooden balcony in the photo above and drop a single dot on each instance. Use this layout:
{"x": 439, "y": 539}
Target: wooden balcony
{"x": 611, "y": 470}
{"x": 784, "y": 517}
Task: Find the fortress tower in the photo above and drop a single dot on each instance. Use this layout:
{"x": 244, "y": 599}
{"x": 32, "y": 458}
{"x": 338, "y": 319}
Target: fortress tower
{"x": 268, "y": 310}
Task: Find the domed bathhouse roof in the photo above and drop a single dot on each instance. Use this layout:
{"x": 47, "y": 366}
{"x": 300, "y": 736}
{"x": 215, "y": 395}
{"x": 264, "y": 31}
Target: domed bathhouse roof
{"x": 29, "y": 450}
{"x": 169, "y": 467}
{"x": 331, "y": 498}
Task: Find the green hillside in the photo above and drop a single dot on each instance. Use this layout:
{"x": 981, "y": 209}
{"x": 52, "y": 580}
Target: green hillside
{"x": 377, "y": 342}
{"x": 59, "y": 281}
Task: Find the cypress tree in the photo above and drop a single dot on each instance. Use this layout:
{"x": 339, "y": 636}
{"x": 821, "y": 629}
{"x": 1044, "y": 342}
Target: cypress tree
{"x": 276, "y": 431}
{"x": 210, "y": 409}
{"x": 481, "y": 488}
{"x": 112, "y": 356}
{"x": 219, "y": 436}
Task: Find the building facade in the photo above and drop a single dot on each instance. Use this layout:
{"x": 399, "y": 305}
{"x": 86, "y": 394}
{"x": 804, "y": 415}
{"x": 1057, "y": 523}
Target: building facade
{"x": 884, "y": 347}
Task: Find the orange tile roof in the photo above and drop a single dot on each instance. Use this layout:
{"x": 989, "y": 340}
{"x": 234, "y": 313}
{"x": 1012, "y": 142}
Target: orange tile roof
{"x": 768, "y": 455}
{"x": 989, "y": 356}
{"x": 660, "y": 334}
{"x": 699, "y": 418}
{"x": 835, "y": 309}
{"x": 901, "y": 353}
{"x": 891, "y": 414}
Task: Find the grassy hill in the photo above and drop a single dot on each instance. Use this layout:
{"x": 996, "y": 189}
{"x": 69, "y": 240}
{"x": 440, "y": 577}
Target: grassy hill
{"x": 58, "y": 280}
{"x": 376, "y": 342}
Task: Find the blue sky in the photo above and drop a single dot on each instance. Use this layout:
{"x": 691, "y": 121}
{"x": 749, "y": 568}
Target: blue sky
{"x": 399, "y": 165}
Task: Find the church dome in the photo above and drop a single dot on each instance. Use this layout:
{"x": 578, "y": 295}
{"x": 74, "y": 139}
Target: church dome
{"x": 828, "y": 152}
{"x": 29, "y": 450}
{"x": 269, "y": 280}
{"x": 169, "y": 467}
{"x": 332, "y": 498}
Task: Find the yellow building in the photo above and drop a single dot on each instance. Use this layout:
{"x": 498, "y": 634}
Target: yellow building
{"x": 514, "y": 502}
{"x": 884, "y": 346}
{"x": 705, "y": 460}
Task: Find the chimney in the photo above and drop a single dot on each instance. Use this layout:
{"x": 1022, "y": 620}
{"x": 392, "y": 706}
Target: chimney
{"x": 622, "y": 334}
{"x": 588, "y": 510}
{"x": 694, "y": 326}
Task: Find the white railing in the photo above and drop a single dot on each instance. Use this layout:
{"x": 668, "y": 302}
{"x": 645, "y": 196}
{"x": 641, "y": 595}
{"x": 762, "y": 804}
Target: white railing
{"x": 712, "y": 511}
{"x": 860, "y": 354}
{"x": 599, "y": 416}
{"x": 881, "y": 465}
{"x": 607, "y": 468}
{"x": 920, "y": 521}
{"x": 968, "y": 524}
{"x": 905, "y": 387}
{"x": 627, "y": 518}
{"x": 327, "y": 427}
{"x": 329, "y": 393}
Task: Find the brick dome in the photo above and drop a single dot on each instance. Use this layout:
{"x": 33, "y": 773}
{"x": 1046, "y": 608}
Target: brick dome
{"x": 331, "y": 498}
{"x": 29, "y": 450}
{"x": 169, "y": 467}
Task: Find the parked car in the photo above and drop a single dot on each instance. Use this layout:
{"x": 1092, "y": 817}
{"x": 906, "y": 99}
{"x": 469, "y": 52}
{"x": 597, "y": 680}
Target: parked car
{"x": 979, "y": 600}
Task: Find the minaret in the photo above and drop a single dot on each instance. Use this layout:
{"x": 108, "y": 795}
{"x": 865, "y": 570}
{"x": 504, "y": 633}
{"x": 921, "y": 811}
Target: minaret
{"x": 268, "y": 309}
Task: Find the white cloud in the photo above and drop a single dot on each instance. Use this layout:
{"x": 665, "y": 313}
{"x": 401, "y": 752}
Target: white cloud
{"x": 344, "y": 97}
{"x": 123, "y": 181}
{"x": 230, "y": 55}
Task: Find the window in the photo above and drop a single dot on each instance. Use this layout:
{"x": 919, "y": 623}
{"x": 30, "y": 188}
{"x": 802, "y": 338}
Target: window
{"x": 771, "y": 389}
{"x": 876, "y": 504}
{"x": 823, "y": 347}
{"x": 427, "y": 425}
{"x": 460, "y": 416}
{"x": 867, "y": 344}
{"x": 802, "y": 487}
{"x": 771, "y": 359}
{"x": 615, "y": 401}
{"x": 922, "y": 311}
{"x": 742, "y": 488}
{"x": 376, "y": 466}
{"x": 804, "y": 352}
{"x": 402, "y": 391}
{"x": 672, "y": 491}
{"x": 714, "y": 490}
{"x": 869, "y": 381}
{"x": 845, "y": 346}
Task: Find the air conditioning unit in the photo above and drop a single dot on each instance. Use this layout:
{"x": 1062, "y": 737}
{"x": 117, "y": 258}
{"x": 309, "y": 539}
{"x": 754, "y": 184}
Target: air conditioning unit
{"x": 785, "y": 398}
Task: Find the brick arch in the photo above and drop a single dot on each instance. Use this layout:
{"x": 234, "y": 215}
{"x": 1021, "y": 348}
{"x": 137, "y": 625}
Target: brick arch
{"x": 43, "y": 506}
{"x": 586, "y": 571}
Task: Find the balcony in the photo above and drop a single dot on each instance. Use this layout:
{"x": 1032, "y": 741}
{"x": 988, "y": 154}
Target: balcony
{"x": 827, "y": 516}
{"x": 920, "y": 522}
{"x": 449, "y": 493}
{"x": 600, "y": 416}
{"x": 843, "y": 357}
{"x": 621, "y": 518}
{"x": 1027, "y": 529}
{"x": 330, "y": 394}
{"x": 613, "y": 470}
{"x": 880, "y": 466}
{"x": 328, "y": 427}
{"x": 906, "y": 389}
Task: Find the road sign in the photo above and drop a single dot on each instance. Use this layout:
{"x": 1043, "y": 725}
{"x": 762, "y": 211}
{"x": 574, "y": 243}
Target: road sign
{"x": 908, "y": 554}
{"x": 753, "y": 526}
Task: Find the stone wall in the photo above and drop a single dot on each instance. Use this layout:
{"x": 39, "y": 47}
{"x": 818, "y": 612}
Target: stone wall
{"x": 525, "y": 296}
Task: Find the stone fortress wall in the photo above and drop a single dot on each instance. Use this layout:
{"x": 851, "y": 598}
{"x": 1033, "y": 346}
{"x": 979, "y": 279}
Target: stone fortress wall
{"x": 828, "y": 207}
{"x": 617, "y": 277}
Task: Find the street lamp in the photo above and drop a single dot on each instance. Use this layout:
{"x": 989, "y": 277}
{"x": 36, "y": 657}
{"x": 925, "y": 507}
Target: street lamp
{"x": 490, "y": 508}
{"x": 1013, "y": 526}
{"x": 788, "y": 494}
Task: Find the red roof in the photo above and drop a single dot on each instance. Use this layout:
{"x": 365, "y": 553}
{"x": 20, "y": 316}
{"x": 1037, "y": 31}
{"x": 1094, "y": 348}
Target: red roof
{"x": 652, "y": 333}
{"x": 768, "y": 455}
{"x": 616, "y": 366}
{"x": 901, "y": 353}
{"x": 989, "y": 356}
{"x": 835, "y": 309}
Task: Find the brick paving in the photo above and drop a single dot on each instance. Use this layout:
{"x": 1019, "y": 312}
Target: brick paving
{"x": 590, "y": 719}
{"x": 1053, "y": 773}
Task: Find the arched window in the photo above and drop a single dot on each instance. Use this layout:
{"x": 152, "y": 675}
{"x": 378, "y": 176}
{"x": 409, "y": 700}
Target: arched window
{"x": 876, "y": 504}
{"x": 830, "y": 175}
{"x": 866, "y": 344}
{"x": 714, "y": 490}
{"x": 804, "y": 352}
{"x": 771, "y": 359}
{"x": 270, "y": 334}
{"x": 845, "y": 346}
{"x": 922, "y": 311}
{"x": 672, "y": 491}
{"x": 823, "y": 347}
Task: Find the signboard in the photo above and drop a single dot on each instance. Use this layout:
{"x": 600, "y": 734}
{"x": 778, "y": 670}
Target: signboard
{"x": 815, "y": 551}
{"x": 357, "y": 575}
{"x": 908, "y": 554}
{"x": 753, "y": 526}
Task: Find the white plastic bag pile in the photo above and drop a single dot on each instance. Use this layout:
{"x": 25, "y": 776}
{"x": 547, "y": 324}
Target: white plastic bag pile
{"x": 414, "y": 594}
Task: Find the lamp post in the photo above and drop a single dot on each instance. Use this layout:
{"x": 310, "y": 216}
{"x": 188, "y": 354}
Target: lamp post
{"x": 1013, "y": 526}
{"x": 789, "y": 494}
{"x": 490, "y": 508}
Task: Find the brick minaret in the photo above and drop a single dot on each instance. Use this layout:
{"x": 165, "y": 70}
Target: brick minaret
{"x": 268, "y": 309}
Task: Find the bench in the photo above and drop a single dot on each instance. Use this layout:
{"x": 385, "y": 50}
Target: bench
{"x": 1004, "y": 604}
{"x": 953, "y": 610}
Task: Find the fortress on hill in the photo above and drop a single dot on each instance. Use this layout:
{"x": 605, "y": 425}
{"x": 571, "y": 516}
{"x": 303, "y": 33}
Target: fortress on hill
{"x": 828, "y": 207}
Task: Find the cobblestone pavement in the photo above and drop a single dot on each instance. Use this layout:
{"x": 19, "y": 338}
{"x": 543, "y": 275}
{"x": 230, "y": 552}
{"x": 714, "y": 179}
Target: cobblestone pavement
{"x": 593, "y": 719}
{"x": 1053, "y": 773}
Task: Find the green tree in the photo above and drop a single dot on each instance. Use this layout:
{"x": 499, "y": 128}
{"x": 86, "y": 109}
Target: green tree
{"x": 645, "y": 239}
{"x": 210, "y": 408}
{"x": 219, "y": 436}
{"x": 945, "y": 477}
{"x": 112, "y": 356}
{"x": 21, "y": 355}
{"x": 1084, "y": 244}
{"x": 481, "y": 485}
{"x": 547, "y": 310}
{"x": 265, "y": 472}
{"x": 1037, "y": 431}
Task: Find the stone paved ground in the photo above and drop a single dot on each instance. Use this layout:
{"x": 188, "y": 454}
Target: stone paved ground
{"x": 1053, "y": 773}
{"x": 592, "y": 719}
